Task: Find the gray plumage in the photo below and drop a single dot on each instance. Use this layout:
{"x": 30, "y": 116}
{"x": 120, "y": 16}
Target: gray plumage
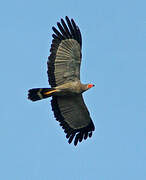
{"x": 66, "y": 89}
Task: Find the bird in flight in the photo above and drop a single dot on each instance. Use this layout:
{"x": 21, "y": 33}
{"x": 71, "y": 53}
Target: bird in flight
{"x": 64, "y": 78}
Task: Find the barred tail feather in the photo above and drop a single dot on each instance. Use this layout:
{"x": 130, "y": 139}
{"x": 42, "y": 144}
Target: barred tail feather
{"x": 40, "y": 93}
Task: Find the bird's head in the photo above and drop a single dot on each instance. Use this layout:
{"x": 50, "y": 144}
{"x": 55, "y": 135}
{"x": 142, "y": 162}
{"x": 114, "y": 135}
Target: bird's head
{"x": 90, "y": 86}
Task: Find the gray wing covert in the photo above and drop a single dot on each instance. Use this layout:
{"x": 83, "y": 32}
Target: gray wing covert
{"x": 65, "y": 58}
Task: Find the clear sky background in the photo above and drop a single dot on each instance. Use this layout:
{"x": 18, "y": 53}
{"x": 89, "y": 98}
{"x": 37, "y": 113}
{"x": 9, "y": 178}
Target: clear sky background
{"x": 32, "y": 144}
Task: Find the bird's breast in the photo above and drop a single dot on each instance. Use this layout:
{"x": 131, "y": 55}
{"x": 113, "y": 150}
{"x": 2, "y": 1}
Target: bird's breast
{"x": 70, "y": 88}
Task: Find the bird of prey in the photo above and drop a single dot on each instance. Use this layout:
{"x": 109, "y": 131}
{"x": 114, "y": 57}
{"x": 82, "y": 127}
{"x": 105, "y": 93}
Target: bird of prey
{"x": 66, "y": 88}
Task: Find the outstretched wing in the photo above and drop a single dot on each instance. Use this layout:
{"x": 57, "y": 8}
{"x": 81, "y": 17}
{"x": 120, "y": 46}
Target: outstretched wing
{"x": 73, "y": 116}
{"x": 65, "y": 58}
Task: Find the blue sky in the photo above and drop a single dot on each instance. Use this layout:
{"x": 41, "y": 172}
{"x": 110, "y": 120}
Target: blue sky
{"x": 32, "y": 144}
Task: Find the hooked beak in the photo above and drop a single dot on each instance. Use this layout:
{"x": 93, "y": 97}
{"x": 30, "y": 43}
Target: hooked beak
{"x": 90, "y": 85}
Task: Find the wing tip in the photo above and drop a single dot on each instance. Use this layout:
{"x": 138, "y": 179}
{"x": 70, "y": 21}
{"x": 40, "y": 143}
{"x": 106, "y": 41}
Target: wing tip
{"x": 71, "y": 31}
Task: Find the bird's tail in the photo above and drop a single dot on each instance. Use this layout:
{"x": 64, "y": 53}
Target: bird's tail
{"x": 40, "y": 93}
